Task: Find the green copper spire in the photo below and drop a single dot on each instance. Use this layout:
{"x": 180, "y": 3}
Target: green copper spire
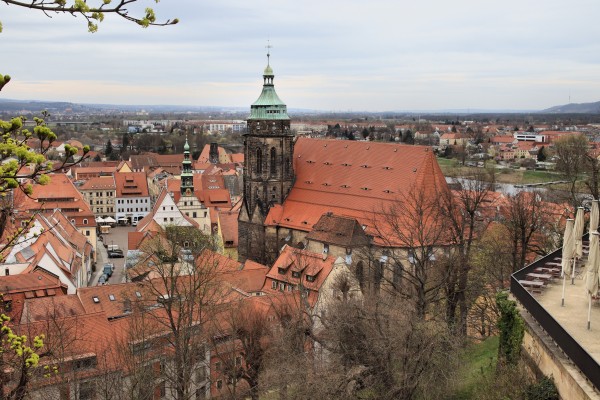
{"x": 268, "y": 105}
{"x": 187, "y": 176}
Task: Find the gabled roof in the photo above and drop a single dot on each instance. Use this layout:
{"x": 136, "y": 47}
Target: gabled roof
{"x": 338, "y": 230}
{"x": 131, "y": 184}
{"x": 354, "y": 179}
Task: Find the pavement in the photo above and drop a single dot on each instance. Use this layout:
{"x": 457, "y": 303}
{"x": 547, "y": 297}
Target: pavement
{"x": 117, "y": 236}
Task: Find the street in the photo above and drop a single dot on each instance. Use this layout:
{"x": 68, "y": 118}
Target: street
{"x": 117, "y": 236}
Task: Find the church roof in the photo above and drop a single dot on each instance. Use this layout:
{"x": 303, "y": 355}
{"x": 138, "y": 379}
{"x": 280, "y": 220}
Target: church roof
{"x": 354, "y": 179}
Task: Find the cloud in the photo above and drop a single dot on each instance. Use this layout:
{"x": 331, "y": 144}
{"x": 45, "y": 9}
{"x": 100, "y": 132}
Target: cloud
{"x": 379, "y": 55}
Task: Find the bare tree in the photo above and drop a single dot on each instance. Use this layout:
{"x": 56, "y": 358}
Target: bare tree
{"x": 524, "y": 216}
{"x": 412, "y": 229}
{"x": 463, "y": 212}
{"x": 187, "y": 291}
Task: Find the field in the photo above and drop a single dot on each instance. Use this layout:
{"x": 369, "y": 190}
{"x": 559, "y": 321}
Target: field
{"x": 505, "y": 175}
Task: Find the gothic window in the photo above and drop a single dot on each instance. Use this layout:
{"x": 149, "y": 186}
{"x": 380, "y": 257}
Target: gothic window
{"x": 258, "y": 161}
{"x": 273, "y": 161}
{"x": 287, "y": 166}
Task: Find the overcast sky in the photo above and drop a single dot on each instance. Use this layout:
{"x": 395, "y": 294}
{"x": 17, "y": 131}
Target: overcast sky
{"x": 338, "y": 55}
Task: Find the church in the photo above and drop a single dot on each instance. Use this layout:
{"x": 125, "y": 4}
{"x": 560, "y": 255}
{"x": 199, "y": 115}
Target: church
{"x": 328, "y": 196}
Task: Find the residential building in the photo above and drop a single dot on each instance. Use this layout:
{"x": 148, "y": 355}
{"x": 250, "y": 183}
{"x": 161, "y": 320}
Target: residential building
{"x": 100, "y": 195}
{"x": 132, "y": 198}
{"x": 59, "y": 194}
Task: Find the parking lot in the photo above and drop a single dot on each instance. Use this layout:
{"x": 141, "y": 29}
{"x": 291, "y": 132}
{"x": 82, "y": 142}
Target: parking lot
{"x": 118, "y": 237}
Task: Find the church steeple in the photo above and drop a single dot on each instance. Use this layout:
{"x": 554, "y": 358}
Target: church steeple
{"x": 268, "y": 172}
{"x": 187, "y": 177}
{"x": 268, "y": 106}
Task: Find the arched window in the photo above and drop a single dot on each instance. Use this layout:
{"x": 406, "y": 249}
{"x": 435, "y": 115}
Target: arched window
{"x": 258, "y": 161}
{"x": 273, "y": 161}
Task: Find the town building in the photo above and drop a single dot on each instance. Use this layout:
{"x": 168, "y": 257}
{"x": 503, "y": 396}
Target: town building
{"x": 100, "y": 195}
{"x": 59, "y": 194}
{"x": 132, "y": 198}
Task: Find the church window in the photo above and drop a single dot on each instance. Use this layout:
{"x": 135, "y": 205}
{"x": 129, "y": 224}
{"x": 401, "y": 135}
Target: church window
{"x": 287, "y": 165}
{"x": 273, "y": 161}
{"x": 258, "y": 161}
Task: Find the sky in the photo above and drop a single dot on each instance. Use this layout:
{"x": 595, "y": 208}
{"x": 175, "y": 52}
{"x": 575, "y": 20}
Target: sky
{"x": 330, "y": 55}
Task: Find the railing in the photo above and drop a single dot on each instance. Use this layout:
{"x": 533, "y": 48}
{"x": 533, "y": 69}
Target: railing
{"x": 581, "y": 358}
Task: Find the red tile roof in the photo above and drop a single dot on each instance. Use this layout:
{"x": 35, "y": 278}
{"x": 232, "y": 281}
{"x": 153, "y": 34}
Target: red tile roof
{"x": 131, "y": 184}
{"x": 353, "y": 179}
{"x": 99, "y": 183}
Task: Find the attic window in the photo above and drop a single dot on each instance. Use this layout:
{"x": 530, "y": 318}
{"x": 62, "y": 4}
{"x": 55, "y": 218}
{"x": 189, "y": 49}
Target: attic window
{"x": 327, "y": 184}
{"x": 287, "y": 220}
{"x": 308, "y": 181}
{"x": 365, "y": 188}
{"x": 386, "y": 167}
{"x": 387, "y": 191}
{"x": 111, "y": 297}
{"x": 295, "y": 274}
{"x": 305, "y": 222}
{"x": 281, "y": 271}
{"x": 310, "y": 278}
{"x": 346, "y": 164}
{"x": 414, "y": 170}
{"x": 364, "y": 166}
{"x": 327, "y": 163}
{"x": 96, "y": 299}
{"x": 345, "y": 186}
{"x": 310, "y": 161}
{"x": 395, "y": 150}
{"x": 368, "y": 147}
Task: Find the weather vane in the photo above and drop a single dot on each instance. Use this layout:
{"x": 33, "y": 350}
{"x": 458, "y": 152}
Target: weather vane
{"x": 268, "y": 47}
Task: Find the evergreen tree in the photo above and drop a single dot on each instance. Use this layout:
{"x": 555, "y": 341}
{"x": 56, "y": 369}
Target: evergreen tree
{"x": 542, "y": 156}
{"x": 108, "y": 150}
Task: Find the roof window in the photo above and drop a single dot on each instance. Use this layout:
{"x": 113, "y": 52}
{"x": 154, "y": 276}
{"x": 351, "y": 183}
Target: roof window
{"x": 111, "y": 297}
{"x": 364, "y": 166}
{"x": 346, "y": 164}
{"x": 345, "y": 186}
{"x": 96, "y": 299}
{"x": 387, "y": 167}
{"x": 387, "y": 191}
{"x": 308, "y": 181}
{"x": 138, "y": 295}
{"x": 365, "y": 188}
{"x": 310, "y": 161}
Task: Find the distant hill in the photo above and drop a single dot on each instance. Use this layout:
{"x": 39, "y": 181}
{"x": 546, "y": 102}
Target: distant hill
{"x": 575, "y": 108}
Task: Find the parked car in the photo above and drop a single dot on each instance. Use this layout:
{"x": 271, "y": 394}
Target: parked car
{"x": 108, "y": 269}
{"x": 118, "y": 253}
{"x": 102, "y": 280}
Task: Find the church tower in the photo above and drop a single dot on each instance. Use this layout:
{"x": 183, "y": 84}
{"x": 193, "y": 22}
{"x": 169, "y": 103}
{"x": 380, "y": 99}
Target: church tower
{"x": 268, "y": 172}
{"x": 187, "y": 177}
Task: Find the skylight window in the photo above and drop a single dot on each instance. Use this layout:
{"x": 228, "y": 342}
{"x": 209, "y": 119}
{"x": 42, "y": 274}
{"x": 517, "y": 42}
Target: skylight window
{"x": 96, "y": 299}
{"x": 111, "y": 297}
